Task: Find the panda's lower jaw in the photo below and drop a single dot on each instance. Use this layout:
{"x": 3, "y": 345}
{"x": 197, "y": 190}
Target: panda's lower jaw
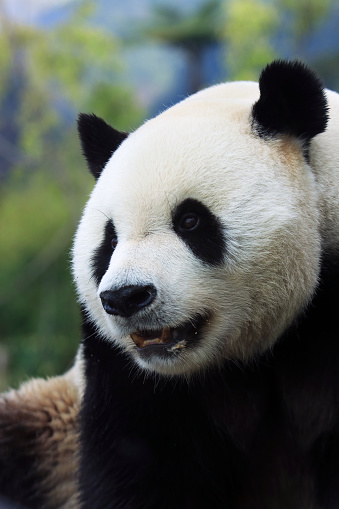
{"x": 167, "y": 341}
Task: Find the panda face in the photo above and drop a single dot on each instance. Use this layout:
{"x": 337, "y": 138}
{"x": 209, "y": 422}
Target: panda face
{"x": 200, "y": 239}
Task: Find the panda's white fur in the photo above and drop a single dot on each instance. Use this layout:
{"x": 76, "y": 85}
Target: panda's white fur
{"x": 267, "y": 198}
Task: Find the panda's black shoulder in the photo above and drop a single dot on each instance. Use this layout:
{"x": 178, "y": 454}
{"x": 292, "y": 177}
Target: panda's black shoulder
{"x": 307, "y": 356}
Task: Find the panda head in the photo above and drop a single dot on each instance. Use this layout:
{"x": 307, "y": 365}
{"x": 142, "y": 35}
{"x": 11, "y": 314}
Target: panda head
{"x": 200, "y": 241}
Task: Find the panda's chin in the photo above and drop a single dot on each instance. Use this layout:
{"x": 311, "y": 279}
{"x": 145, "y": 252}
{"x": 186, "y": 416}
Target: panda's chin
{"x": 168, "y": 341}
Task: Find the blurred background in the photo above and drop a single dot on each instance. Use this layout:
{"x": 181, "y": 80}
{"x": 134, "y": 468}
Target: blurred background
{"x": 124, "y": 60}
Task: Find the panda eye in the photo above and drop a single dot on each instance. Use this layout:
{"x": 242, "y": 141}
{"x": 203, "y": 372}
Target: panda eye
{"x": 189, "y": 222}
{"x": 114, "y": 243}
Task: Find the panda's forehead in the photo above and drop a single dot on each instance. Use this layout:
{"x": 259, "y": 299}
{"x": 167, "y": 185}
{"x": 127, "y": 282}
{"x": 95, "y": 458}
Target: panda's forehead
{"x": 153, "y": 181}
{"x": 212, "y": 157}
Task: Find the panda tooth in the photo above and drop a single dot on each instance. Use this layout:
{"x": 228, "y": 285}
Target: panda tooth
{"x": 141, "y": 339}
{"x": 165, "y": 335}
{"x": 138, "y": 340}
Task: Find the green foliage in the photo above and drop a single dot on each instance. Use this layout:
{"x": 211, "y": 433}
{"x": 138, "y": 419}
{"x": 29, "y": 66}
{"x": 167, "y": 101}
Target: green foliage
{"x": 85, "y": 53}
{"x": 72, "y": 67}
{"x": 38, "y": 312}
{"x": 192, "y": 33}
{"x": 252, "y": 27}
{"x": 170, "y": 25}
{"x": 4, "y": 60}
{"x": 26, "y": 199}
{"x": 249, "y": 27}
{"x": 304, "y": 15}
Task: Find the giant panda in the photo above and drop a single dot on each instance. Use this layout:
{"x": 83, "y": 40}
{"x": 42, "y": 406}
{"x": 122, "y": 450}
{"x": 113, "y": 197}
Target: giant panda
{"x": 206, "y": 266}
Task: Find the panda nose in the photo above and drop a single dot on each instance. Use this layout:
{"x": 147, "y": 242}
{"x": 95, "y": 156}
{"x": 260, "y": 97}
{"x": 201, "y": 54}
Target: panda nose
{"x": 127, "y": 300}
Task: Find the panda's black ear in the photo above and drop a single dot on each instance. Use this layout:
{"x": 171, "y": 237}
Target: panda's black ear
{"x": 292, "y": 101}
{"x": 98, "y": 140}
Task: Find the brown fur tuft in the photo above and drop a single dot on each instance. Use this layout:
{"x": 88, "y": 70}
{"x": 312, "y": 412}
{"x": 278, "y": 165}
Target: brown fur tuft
{"x": 39, "y": 442}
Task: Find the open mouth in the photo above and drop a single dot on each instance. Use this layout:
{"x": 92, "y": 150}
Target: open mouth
{"x": 168, "y": 339}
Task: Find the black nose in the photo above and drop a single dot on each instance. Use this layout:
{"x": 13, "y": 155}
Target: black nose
{"x": 127, "y": 300}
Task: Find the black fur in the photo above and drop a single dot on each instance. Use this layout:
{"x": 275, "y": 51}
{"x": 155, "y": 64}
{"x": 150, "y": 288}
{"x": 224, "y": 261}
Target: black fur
{"x": 20, "y": 477}
{"x": 102, "y": 255}
{"x": 292, "y": 101}
{"x": 245, "y": 437}
{"x": 98, "y": 140}
{"x": 206, "y": 240}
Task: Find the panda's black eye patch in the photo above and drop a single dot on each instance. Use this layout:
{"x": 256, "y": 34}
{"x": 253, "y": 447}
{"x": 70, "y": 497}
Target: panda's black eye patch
{"x": 200, "y": 229}
{"x": 102, "y": 255}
